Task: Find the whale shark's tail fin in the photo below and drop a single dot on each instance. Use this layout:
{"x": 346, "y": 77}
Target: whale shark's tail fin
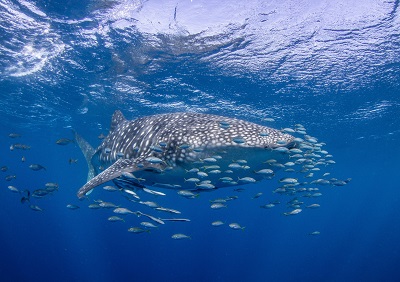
{"x": 88, "y": 152}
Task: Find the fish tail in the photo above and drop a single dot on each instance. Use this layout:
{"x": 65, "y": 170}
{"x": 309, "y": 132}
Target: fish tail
{"x": 88, "y": 152}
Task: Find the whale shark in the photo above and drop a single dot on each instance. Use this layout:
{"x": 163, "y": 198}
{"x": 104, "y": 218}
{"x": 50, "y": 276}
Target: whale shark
{"x": 182, "y": 151}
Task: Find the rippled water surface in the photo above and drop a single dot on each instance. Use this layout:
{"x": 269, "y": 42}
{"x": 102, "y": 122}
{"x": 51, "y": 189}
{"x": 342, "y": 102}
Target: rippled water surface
{"x": 331, "y": 66}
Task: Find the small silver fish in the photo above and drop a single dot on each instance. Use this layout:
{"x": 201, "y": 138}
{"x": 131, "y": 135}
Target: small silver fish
{"x": 295, "y": 151}
{"x": 235, "y": 166}
{"x": 137, "y": 230}
{"x": 268, "y": 206}
{"x": 35, "y": 208}
{"x": 288, "y": 130}
{"x": 14, "y": 135}
{"x": 206, "y": 186}
{"x": 288, "y": 180}
{"x": 107, "y": 205}
{"x": 224, "y": 124}
{"x": 19, "y": 146}
{"x": 122, "y": 211}
{"x": 293, "y": 212}
{"x": 265, "y": 171}
{"x": 258, "y": 195}
{"x": 202, "y": 174}
{"x": 168, "y": 210}
{"x": 217, "y": 223}
{"x": 247, "y": 180}
{"x": 149, "y": 204}
{"x": 281, "y": 149}
{"x": 314, "y": 233}
{"x": 148, "y": 224}
{"x": 218, "y": 206}
{"x": 176, "y": 219}
{"x": 115, "y": 218}
{"x": 157, "y": 149}
{"x": 154, "y": 160}
{"x": 187, "y": 194}
{"x": 236, "y": 226}
{"x": 238, "y": 140}
{"x": 226, "y": 179}
{"x": 110, "y": 188}
{"x": 209, "y": 160}
{"x": 36, "y": 167}
{"x": 313, "y": 206}
{"x": 51, "y": 184}
{"x": 38, "y": 193}
{"x": 153, "y": 192}
{"x": 192, "y": 179}
{"x": 131, "y": 193}
{"x": 219, "y": 200}
{"x": 184, "y": 146}
{"x": 180, "y": 236}
{"x": 13, "y": 189}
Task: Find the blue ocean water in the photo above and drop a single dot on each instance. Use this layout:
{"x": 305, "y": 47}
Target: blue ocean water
{"x": 333, "y": 67}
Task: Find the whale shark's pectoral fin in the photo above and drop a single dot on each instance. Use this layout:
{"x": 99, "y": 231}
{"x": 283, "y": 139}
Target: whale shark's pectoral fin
{"x": 116, "y": 170}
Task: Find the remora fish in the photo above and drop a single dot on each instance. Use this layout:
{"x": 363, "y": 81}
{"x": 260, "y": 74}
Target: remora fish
{"x": 133, "y": 140}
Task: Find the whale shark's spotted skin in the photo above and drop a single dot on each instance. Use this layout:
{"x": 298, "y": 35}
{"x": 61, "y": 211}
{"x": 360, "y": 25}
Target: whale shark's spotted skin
{"x": 181, "y": 141}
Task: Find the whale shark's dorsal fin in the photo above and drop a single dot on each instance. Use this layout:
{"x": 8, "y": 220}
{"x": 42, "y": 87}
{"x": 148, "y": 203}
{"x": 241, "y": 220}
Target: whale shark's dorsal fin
{"x": 116, "y": 119}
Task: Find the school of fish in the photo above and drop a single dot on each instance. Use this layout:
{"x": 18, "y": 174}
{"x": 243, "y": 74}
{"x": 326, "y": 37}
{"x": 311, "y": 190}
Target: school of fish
{"x": 299, "y": 172}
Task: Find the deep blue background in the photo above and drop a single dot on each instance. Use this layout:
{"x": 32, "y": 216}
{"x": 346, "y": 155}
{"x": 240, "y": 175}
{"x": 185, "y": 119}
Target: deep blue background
{"x": 354, "y": 111}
